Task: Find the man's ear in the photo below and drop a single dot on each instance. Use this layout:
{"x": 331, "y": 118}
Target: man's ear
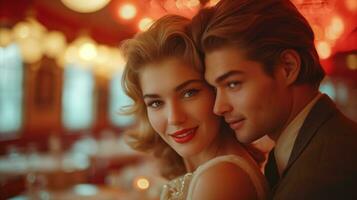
{"x": 291, "y": 65}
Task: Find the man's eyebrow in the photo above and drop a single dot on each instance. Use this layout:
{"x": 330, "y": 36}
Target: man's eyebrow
{"x": 227, "y": 75}
{"x": 188, "y": 82}
{"x": 178, "y": 88}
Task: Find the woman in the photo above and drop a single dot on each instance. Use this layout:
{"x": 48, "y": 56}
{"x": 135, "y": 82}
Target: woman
{"x": 174, "y": 108}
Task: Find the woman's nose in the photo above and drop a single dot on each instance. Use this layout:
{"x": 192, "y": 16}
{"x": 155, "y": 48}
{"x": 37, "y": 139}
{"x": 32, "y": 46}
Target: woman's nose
{"x": 176, "y": 114}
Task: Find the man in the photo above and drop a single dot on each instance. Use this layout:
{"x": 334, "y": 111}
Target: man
{"x": 260, "y": 57}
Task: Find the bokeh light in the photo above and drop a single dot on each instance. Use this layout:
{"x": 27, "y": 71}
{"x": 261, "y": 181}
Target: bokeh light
{"x": 21, "y": 30}
{"x": 87, "y": 51}
{"x": 54, "y": 44}
{"x": 127, "y": 11}
{"x": 31, "y": 51}
{"x": 323, "y": 49}
{"x": 85, "y": 6}
{"x": 335, "y": 29}
{"x": 145, "y": 23}
{"x": 142, "y": 183}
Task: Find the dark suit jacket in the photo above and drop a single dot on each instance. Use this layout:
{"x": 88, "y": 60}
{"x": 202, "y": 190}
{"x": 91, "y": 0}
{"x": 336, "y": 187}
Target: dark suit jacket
{"x": 323, "y": 162}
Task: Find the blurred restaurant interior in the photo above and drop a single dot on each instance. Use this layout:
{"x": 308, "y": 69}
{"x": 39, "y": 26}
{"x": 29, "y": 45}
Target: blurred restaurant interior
{"x": 60, "y": 92}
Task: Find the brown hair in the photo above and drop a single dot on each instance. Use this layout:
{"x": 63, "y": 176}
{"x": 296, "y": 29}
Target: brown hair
{"x": 166, "y": 38}
{"x": 263, "y": 29}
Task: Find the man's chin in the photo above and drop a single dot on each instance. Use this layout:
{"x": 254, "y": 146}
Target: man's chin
{"x": 242, "y": 138}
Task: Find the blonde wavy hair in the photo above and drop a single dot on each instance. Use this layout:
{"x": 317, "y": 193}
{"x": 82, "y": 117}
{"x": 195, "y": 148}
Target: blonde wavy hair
{"x": 166, "y": 38}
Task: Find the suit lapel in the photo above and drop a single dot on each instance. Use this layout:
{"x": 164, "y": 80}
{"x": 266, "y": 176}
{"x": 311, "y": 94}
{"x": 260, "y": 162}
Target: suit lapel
{"x": 322, "y": 110}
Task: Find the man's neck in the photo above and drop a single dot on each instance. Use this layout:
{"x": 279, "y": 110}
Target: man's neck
{"x": 301, "y": 96}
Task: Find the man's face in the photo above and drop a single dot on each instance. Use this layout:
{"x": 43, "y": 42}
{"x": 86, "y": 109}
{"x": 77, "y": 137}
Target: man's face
{"x": 252, "y": 102}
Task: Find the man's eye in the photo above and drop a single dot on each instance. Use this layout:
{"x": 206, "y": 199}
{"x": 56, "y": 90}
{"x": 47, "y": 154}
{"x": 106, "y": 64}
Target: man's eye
{"x": 154, "y": 104}
{"x": 234, "y": 84}
{"x": 190, "y": 93}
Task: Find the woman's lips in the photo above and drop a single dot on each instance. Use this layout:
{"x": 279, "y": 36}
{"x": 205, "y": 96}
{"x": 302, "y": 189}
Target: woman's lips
{"x": 184, "y": 135}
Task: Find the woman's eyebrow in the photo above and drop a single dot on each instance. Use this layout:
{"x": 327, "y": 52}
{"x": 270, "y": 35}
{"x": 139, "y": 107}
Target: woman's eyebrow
{"x": 178, "y": 88}
{"x": 151, "y": 96}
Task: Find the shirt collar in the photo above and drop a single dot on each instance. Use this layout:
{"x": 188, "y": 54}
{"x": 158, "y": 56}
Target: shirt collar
{"x": 285, "y": 142}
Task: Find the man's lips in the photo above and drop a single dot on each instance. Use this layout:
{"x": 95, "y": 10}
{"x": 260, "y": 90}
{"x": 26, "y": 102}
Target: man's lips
{"x": 183, "y": 135}
{"x": 235, "y": 123}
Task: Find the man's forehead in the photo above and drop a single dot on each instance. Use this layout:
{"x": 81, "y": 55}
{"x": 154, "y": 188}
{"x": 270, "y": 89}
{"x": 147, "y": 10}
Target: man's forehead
{"x": 220, "y": 62}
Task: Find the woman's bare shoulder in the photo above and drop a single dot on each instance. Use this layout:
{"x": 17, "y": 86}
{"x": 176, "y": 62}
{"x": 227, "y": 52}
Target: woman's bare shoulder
{"x": 225, "y": 180}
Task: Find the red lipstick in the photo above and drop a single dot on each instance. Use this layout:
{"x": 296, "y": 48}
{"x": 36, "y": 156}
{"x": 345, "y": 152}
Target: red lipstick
{"x": 184, "y": 135}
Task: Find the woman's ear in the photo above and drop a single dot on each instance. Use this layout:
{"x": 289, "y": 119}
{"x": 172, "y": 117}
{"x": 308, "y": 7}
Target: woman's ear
{"x": 291, "y": 65}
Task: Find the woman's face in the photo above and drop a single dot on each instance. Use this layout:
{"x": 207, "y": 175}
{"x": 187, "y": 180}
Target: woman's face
{"x": 180, "y": 106}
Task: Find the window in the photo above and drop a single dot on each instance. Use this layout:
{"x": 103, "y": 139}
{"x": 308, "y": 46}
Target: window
{"x": 118, "y": 99}
{"x": 11, "y": 90}
{"x": 77, "y": 98}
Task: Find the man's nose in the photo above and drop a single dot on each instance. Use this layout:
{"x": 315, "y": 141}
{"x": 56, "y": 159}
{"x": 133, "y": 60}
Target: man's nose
{"x": 221, "y": 104}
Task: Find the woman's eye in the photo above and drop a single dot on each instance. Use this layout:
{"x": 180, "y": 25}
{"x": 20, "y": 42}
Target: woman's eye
{"x": 190, "y": 93}
{"x": 154, "y": 104}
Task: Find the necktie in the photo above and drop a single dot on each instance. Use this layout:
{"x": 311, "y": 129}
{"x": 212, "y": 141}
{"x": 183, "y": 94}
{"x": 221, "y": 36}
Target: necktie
{"x": 271, "y": 170}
